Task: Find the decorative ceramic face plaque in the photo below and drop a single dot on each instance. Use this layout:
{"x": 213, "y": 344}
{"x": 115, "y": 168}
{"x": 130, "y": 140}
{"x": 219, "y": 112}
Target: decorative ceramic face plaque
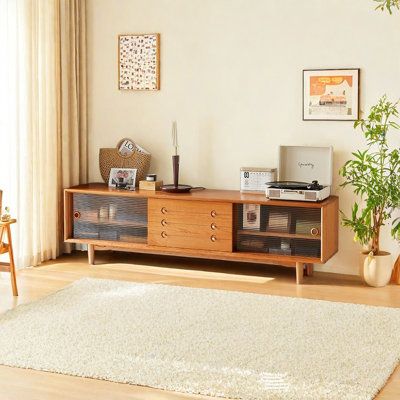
{"x": 139, "y": 62}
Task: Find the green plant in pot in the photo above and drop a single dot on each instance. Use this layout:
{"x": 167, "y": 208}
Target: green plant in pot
{"x": 374, "y": 174}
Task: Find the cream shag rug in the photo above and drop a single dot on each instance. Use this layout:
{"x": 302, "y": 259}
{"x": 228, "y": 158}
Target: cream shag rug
{"x": 212, "y": 342}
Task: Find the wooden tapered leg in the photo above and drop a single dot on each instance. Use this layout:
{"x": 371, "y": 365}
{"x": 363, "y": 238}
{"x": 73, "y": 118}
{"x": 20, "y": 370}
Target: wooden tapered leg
{"x": 12, "y": 265}
{"x": 309, "y": 269}
{"x": 299, "y": 273}
{"x": 90, "y": 251}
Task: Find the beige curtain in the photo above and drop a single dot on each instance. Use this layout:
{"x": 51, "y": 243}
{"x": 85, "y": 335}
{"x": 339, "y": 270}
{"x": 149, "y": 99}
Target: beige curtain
{"x": 72, "y": 145}
{"x": 73, "y": 100}
{"x": 46, "y": 126}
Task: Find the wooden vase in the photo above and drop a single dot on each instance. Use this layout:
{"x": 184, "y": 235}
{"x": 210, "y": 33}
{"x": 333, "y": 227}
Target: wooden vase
{"x": 175, "y": 169}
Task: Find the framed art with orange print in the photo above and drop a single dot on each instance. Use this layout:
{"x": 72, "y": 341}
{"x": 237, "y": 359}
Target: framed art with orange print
{"x": 331, "y": 94}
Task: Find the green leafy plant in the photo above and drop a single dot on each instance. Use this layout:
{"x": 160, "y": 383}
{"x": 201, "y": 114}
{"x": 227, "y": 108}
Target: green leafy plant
{"x": 387, "y": 5}
{"x": 374, "y": 174}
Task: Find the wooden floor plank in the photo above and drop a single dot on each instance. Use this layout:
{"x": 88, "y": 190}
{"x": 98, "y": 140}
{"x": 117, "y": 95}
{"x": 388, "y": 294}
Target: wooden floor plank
{"x": 34, "y": 283}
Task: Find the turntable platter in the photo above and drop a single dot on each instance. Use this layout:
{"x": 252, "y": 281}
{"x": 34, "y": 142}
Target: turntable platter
{"x": 288, "y": 185}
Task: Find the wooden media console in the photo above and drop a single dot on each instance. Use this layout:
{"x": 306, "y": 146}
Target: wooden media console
{"x": 210, "y": 224}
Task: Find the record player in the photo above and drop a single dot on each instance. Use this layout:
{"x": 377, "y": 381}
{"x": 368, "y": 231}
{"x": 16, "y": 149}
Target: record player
{"x": 305, "y": 174}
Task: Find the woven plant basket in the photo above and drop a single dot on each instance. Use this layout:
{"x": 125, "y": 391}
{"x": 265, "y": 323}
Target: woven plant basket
{"x": 110, "y": 158}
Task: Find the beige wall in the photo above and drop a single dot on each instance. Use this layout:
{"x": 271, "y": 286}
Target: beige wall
{"x": 231, "y": 75}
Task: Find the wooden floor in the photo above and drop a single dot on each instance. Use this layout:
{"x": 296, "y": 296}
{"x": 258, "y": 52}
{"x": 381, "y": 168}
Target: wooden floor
{"x": 20, "y": 384}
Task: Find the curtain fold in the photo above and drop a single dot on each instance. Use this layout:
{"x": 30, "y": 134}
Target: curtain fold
{"x": 73, "y": 110}
{"x": 44, "y": 125}
{"x": 72, "y": 145}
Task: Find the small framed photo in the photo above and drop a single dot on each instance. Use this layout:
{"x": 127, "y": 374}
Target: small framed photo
{"x": 251, "y": 216}
{"x": 139, "y": 61}
{"x": 331, "y": 94}
{"x": 122, "y": 178}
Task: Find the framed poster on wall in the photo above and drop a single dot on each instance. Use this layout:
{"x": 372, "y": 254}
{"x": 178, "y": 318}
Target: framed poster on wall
{"x": 139, "y": 61}
{"x": 331, "y": 94}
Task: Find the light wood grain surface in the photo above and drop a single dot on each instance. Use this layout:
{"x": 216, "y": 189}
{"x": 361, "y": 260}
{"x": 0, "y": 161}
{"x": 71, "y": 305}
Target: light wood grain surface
{"x": 207, "y": 218}
{"x": 231, "y": 196}
{"x": 17, "y": 384}
{"x": 195, "y": 225}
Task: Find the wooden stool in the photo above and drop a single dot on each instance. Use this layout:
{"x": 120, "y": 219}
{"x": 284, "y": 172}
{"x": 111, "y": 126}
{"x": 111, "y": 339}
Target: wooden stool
{"x": 7, "y": 248}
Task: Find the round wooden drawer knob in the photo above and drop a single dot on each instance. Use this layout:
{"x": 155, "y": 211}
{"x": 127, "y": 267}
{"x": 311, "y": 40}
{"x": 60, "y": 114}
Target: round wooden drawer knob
{"x": 164, "y": 234}
{"x": 213, "y": 238}
{"x": 164, "y": 210}
{"x": 213, "y": 213}
{"x": 213, "y": 226}
{"x": 163, "y": 222}
{"x": 77, "y": 214}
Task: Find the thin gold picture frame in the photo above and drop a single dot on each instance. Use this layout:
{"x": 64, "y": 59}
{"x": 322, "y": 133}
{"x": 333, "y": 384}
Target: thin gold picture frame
{"x": 158, "y": 80}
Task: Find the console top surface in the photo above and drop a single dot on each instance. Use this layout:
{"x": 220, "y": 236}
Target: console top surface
{"x": 214, "y": 195}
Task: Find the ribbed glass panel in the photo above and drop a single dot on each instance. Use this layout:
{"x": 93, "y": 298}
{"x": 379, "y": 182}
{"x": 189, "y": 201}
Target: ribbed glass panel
{"x": 278, "y": 230}
{"x": 109, "y": 218}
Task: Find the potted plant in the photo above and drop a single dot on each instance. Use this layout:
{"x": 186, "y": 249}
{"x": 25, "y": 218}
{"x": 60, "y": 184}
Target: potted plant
{"x": 374, "y": 174}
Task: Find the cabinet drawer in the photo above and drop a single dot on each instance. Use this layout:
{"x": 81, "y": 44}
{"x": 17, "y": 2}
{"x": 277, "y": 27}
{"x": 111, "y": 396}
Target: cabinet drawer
{"x": 191, "y": 212}
{"x": 190, "y": 224}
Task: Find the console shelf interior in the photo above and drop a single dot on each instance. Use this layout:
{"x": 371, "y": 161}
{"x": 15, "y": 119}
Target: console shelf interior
{"x": 278, "y": 230}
